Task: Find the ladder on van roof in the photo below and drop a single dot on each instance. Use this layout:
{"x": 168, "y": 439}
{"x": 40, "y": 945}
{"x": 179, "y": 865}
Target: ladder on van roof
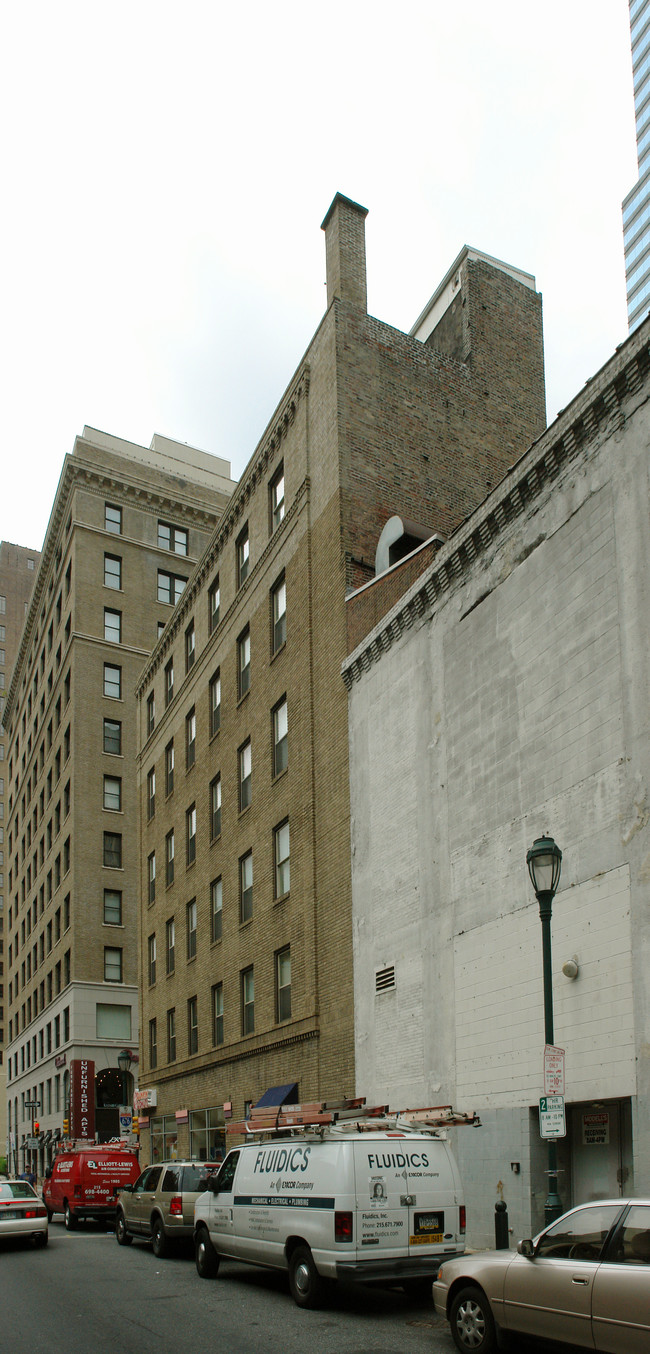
{"x": 349, "y": 1116}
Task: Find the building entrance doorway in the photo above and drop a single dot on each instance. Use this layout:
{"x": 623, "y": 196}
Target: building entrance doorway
{"x": 600, "y": 1136}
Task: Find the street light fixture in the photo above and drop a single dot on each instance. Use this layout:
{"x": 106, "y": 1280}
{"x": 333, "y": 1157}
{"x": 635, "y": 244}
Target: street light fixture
{"x": 544, "y": 861}
{"x": 124, "y": 1063}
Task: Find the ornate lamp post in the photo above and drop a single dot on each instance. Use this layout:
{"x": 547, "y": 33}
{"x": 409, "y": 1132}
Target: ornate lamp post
{"x": 124, "y": 1063}
{"x": 544, "y": 861}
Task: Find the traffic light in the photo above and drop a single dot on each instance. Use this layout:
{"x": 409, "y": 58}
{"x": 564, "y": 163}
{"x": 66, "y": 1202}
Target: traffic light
{"x": 66, "y": 1127}
{"x": 37, "y": 1127}
{"x": 135, "y": 1127}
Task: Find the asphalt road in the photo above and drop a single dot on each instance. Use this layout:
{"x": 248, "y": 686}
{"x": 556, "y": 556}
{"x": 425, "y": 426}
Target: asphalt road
{"x": 84, "y": 1294}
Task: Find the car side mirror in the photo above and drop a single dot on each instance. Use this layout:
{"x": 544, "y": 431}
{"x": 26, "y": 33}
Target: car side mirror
{"x": 48, "y": 1173}
{"x": 213, "y": 1184}
{"x": 526, "y": 1248}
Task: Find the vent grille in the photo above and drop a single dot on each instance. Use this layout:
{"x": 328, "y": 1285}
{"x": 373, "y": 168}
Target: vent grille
{"x": 385, "y": 978}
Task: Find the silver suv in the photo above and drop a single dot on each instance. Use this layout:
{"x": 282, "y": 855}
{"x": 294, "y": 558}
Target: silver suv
{"x": 160, "y": 1205}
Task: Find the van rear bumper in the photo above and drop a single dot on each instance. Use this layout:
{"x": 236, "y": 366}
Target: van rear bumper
{"x": 377, "y": 1271}
{"x": 98, "y": 1211}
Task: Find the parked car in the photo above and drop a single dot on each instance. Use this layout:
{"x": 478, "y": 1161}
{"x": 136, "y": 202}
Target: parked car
{"x": 583, "y": 1281}
{"x": 83, "y": 1181}
{"x": 160, "y": 1205}
{"x": 22, "y": 1213}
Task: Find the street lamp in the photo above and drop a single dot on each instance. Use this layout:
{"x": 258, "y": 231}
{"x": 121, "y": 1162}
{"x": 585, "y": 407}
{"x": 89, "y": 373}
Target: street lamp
{"x": 544, "y": 861}
{"x": 124, "y": 1063}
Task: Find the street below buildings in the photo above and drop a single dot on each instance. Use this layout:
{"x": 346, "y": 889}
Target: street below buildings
{"x": 87, "y": 1295}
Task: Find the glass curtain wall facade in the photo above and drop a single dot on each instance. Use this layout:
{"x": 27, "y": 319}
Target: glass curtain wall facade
{"x": 636, "y": 206}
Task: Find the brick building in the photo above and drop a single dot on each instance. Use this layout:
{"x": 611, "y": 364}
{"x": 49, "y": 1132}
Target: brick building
{"x": 127, "y": 527}
{"x": 504, "y": 695}
{"x": 18, "y": 567}
{"x": 246, "y": 931}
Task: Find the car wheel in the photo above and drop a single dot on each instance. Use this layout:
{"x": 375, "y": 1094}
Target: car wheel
{"x": 69, "y": 1219}
{"x": 207, "y": 1260}
{"x": 159, "y": 1242}
{"x": 472, "y": 1323}
{"x": 306, "y": 1284}
{"x": 124, "y": 1238}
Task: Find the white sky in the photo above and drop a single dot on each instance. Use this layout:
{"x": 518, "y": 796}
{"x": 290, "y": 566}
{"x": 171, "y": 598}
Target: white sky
{"x": 166, "y": 167}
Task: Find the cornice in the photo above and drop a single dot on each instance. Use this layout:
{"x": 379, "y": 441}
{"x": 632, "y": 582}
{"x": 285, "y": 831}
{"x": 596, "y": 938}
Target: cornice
{"x": 597, "y": 412}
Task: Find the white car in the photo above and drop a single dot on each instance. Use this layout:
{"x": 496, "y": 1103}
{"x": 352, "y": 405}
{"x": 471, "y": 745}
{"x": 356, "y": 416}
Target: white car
{"x": 22, "y": 1212}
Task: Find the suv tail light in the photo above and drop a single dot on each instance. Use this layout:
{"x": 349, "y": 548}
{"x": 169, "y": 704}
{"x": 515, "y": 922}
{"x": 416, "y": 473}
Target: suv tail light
{"x": 462, "y": 1217}
{"x": 176, "y": 1206}
{"x": 342, "y": 1226}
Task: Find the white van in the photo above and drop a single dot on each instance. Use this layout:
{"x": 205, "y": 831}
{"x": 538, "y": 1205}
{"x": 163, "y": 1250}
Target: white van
{"x": 384, "y": 1206}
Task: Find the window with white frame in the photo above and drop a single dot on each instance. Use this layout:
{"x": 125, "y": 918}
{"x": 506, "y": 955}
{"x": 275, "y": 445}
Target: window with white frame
{"x": 216, "y": 909}
{"x": 283, "y": 983}
{"x": 282, "y": 859}
{"x": 113, "y": 572}
{"x": 243, "y": 555}
{"x": 217, "y": 1014}
{"x": 246, "y": 887}
{"x": 170, "y": 587}
{"x": 113, "y": 793}
{"x": 191, "y": 929}
{"x": 280, "y": 723}
{"x": 276, "y": 498}
{"x": 248, "y": 1000}
{"x": 278, "y": 615}
{"x": 245, "y": 775}
{"x": 152, "y": 959}
{"x": 112, "y": 626}
{"x": 112, "y": 681}
{"x": 215, "y": 808}
{"x": 172, "y": 538}
{"x": 214, "y": 605}
{"x": 215, "y": 703}
{"x": 190, "y": 819}
{"x": 244, "y": 663}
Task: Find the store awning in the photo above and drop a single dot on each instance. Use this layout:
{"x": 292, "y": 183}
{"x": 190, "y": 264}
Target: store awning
{"x": 280, "y": 1095}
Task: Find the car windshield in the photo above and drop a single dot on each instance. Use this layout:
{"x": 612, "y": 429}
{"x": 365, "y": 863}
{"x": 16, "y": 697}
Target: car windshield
{"x": 16, "y": 1189}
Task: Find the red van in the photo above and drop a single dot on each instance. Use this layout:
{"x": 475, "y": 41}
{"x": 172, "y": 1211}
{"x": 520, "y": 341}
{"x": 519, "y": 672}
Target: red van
{"x": 83, "y": 1181}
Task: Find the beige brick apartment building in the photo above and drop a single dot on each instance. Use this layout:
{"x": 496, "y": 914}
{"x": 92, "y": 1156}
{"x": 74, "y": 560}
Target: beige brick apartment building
{"x": 18, "y": 565}
{"x": 245, "y": 925}
{"x": 127, "y": 527}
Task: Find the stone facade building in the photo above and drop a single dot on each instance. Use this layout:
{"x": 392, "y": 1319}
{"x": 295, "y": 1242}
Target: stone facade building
{"x": 246, "y": 924}
{"x": 503, "y": 695}
{"x": 127, "y": 527}
{"x": 18, "y": 565}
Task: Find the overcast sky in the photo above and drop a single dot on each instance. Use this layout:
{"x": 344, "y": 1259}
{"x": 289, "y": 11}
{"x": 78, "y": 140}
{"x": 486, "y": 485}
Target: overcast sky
{"x": 166, "y": 167}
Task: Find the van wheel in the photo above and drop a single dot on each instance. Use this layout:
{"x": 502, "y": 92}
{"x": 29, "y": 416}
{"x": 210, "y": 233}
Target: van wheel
{"x": 306, "y": 1284}
{"x": 471, "y": 1322}
{"x": 70, "y": 1220}
{"x": 124, "y": 1238}
{"x": 49, "y": 1214}
{"x": 159, "y": 1242}
{"x": 207, "y": 1260}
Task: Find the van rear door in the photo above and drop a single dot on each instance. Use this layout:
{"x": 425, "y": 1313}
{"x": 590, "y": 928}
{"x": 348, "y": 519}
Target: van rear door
{"x": 382, "y": 1217}
{"x": 433, "y": 1189}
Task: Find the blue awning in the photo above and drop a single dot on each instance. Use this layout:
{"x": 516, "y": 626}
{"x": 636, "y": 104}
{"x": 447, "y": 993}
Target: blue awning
{"x": 280, "y": 1095}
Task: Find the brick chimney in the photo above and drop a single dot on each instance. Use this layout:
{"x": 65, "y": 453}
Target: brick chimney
{"x": 345, "y": 251}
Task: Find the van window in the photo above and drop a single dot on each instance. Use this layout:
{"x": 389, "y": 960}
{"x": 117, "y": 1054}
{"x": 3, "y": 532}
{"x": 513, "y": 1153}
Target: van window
{"x": 227, "y": 1173}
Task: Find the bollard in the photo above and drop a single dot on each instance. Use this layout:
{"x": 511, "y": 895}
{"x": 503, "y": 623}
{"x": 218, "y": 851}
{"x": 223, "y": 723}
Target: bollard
{"x": 501, "y": 1238}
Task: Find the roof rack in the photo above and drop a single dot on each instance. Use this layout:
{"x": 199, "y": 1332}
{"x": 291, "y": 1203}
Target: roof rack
{"x": 349, "y": 1116}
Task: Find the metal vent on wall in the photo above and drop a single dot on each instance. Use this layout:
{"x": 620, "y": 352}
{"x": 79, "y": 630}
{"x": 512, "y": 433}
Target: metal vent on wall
{"x": 385, "y": 978}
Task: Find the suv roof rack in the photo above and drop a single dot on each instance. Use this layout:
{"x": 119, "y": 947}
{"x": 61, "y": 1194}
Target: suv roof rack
{"x": 349, "y": 1116}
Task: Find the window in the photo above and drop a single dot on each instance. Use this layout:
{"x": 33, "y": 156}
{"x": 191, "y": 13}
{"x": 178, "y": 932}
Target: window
{"x": 215, "y": 808}
{"x": 169, "y": 768}
{"x": 247, "y": 1001}
{"x": 190, "y": 738}
{"x": 153, "y": 1044}
{"x": 170, "y": 945}
{"x": 279, "y": 615}
{"x": 152, "y": 960}
{"x": 112, "y": 626}
{"x": 191, "y": 929}
{"x": 172, "y": 538}
{"x": 244, "y": 663}
{"x": 281, "y": 854}
{"x": 276, "y": 498}
{"x": 246, "y": 887}
{"x": 113, "y": 737}
{"x": 113, "y": 850}
{"x": 171, "y": 1035}
{"x": 113, "y": 793}
{"x": 283, "y": 984}
{"x": 190, "y": 825}
{"x": 112, "y": 965}
{"x": 169, "y": 858}
{"x": 151, "y": 792}
{"x": 245, "y": 775}
{"x": 192, "y": 1025}
{"x": 112, "y": 572}
{"x": 151, "y": 713}
{"x": 112, "y": 907}
{"x": 243, "y": 556}
{"x": 215, "y": 703}
{"x": 216, "y": 909}
{"x": 112, "y": 681}
{"x": 214, "y": 605}
{"x": 583, "y": 1231}
{"x": 280, "y": 737}
{"x": 217, "y": 1013}
{"x": 170, "y": 587}
{"x": 169, "y": 682}
{"x": 151, "y": 861}
{"x": 190, "y": 646}
{"x": 113, "y": 519}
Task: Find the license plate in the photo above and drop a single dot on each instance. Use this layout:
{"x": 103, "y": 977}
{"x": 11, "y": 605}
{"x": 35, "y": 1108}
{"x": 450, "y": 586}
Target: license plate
{"x": 11, "y": 1213}
{"x": 426, "y": 1239}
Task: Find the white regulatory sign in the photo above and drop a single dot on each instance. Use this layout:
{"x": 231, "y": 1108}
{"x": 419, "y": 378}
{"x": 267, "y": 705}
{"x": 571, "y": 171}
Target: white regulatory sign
{"x": 552, "y": 1122}
{"x": 553, "y": 1070}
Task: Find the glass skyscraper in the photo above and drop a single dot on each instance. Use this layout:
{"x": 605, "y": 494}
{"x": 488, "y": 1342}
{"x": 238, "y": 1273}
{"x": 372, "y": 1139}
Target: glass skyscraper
{"x": 636, "y": 206}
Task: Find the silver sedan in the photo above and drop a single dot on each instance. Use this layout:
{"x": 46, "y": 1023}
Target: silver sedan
{"x": 22, "y": 1212}
{"x": 584, "y": 1281}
